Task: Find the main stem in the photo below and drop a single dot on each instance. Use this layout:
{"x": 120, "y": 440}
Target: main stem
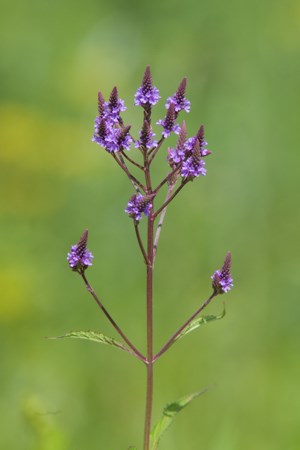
{"x": 149, "y": 393}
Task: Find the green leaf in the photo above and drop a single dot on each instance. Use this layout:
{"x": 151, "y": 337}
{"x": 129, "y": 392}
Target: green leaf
{"x": 203, "y": 320}
{"x": 169, "y": 413}
{"x": 96, "y": 337}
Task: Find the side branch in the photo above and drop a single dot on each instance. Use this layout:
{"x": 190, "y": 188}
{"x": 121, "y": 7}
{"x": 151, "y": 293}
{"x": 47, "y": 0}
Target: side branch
{"x": 175, "y": 335}
{"x": 116, "y": 327}
{"x": 168, "y": 177}
{"x": 135, "y": 182}
{"x": 137, "y": 232}
{"x": 183, "y": 183}
{"x": 154, "y": 150}
{"x": 132, "y": 161}
{"x": 161, "y": 220}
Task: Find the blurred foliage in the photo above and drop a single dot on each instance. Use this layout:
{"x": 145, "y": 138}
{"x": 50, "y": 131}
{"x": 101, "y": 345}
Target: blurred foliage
{"x": 243, "y": 67}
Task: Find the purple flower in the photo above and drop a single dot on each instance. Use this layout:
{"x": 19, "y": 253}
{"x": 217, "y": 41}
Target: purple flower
{"x": 190, "y": 143}
{"x": 101, "y": 104}
{"x": 114, "y": 106}
{"x": 118, "y": 139}
{"x": 179, "y": 100}
{"x": 147, "y": 95}
{"x": 222, "y": 280}
{"x": 177, "y": 155}
{"x": 193, "y": 166}
{"x": 139, "y": 204}
{"x": 169, "y": 122}
{"x": 79, "y": 258}
{"x": 111, "y": 137}
{"x": 146, "y": 136}
{"x": 101, "y": 131}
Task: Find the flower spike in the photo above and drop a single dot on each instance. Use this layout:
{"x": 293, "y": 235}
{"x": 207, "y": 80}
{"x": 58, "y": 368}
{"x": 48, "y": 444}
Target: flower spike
{"x": 101, "y": 104}
{"x": 179, "y": 99}
{"x": 79, "y": 258}
{"x": 147, "y": 95}
{"x": 146, "y": 135}
{"x": 139, "y": 204}
{"x": 168, "y": 123}
{"x": 222, "y": 281}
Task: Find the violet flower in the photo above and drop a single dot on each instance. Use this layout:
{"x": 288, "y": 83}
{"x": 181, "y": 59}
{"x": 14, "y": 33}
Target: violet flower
{"x": 139, "y": 204}
{"x": 177, "y": 155}
{"x": 193, "y": 166}
{"x": 114, "y": 106}
{"x": 190, "y": 143}
{"x": 168, "y": 123}
{"x": 147, "y": 95}
{"x": 146, "y": 135}
{"x": 222, "y": 280}
{"x": 112, "y": 138}
{"x": 79, "y": 258}
{"x": 179, "y": 100}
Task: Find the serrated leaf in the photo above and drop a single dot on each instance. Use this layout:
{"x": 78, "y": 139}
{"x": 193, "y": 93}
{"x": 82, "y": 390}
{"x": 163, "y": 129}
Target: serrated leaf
{"x": 203, "y": 320}
{"x": 169, "y": 413}
{"x": 95, "y": 337}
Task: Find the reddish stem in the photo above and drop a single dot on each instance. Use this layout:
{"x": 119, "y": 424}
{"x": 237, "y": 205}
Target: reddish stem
{"x": 175, "y": 335}
{"x": 117, "y": 328}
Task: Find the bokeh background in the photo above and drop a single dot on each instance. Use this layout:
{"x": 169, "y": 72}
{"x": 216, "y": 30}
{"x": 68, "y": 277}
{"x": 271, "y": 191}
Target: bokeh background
{"x": 242, "y": 60}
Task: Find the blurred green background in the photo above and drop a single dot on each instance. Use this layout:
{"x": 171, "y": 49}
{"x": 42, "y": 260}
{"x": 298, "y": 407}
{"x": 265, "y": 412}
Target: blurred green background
{"x": 242, "y": 60}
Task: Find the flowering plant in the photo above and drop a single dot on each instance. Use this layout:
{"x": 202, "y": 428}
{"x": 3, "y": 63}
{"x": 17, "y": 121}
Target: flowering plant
{"x": 185, "y": 162}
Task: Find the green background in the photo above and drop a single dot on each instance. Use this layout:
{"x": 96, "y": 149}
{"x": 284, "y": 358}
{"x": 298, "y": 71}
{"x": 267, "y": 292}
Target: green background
{"x": 243, "y": 67}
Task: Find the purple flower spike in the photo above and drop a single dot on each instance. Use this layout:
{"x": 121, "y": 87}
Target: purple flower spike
{"x": 222, "y": 280}
{"x": 112, "y": 138}
{"x": 79, "y": 258}
{"x": 114, "y": 107}
{"x": 101, "y": 104}
{"x": 101, "y": 132}
{"x": 177, "y": 155}
{"x": 191, "y": 170}
{"x": 139, "y": 204}
{"x": 118, "y": 139}
{"x": 146, "y": 136}
{"x": 190, "y": 143}
{"x": 147, "y": 95}
{"x": 169, "y": 122}
{"x": 179, "y": 100}
{"x": 193, "y": 166}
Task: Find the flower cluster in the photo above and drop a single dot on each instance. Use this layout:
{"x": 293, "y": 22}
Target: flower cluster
{"x": 222, "y": 281}
{"x": 109, "y": 131}
{"x": 188, "y": 154}
{"x": 186, "y": 160}
{"x": 139, "y": 204}
{"x": 79, "y": 258}
{"x": 168, "y": 123}
{"x": 179, "y": 100}
{"x": 174, "y": 105}
{"x": 146, "y": 135}
{"x": 147, "y": 95}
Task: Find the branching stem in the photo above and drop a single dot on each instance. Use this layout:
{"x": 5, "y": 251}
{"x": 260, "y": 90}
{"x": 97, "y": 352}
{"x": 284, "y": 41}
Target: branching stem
{"x": 168, "y": 177}
{"x": 135, "y": 182}
{"x": 154, "y": 150}
{"x": 132, "y": 161}
{"x": 137, "y": 232}
{"x": 175, "y": 335}
{"x": 149, "y": 301}
{"x": 183, "y": 183}
{"x": 116, "y": 327}
{"x": 160, "y": 222}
